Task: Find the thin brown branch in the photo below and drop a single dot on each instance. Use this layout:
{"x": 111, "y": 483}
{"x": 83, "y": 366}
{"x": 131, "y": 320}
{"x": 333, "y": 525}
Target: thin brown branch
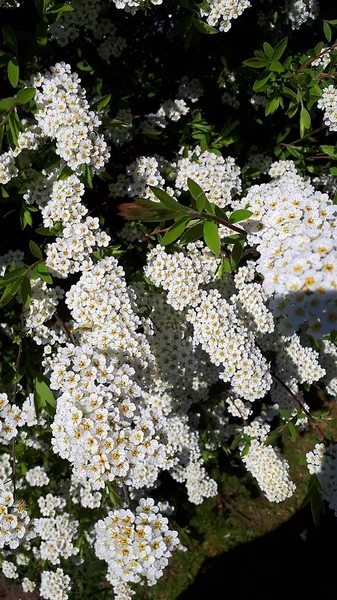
{"x": 307, "y": 64}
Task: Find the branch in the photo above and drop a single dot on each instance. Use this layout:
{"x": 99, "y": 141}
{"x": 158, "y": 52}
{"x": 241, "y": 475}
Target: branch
{"x": 307, "y": 64}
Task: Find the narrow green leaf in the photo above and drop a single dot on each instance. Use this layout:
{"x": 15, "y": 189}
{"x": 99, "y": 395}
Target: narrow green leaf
{"x": 10, "y": 38}
{"x": 174, "y": 231}
{"x": 211, "y": 237}
{"x": 330, "y": 150}
{"x": 101, "y": 103}
{"x": 26, "y": 291}
{"x": 285, "y": 414}
{"x": 305, "y": 121}
{"x": 41, "y": 32}
{"x": 327, "y": 31}
{"x": 193, "y": 233}
{"x": 35, "y": 249}
{"x": 166, "y": 199}
{"x": 13, "y": 72}
{"x": 279, "y": 49}
{"x": 237, "y": 252}
{"x": 197, "y": 193}
{"x": 268, "y": 50}
{"x": 204, "y": 27}
{"x": 6, "y": 104}
{"x": 276, "y": 66}
{"x": 240, "y": 215}
{"x": 292, "y": 431}
{"x": 25, "y": 95}
{"x": 255, "y": 63}
{"x": 43, "y": 391}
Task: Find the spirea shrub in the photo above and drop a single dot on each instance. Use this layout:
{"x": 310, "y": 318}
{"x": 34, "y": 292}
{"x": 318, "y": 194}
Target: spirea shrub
{"x": 168, "y": 273}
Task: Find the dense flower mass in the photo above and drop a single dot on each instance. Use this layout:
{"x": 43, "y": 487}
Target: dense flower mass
{"x": 144, "y": 364}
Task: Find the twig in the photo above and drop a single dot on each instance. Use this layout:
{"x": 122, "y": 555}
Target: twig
{"x": 64, "y": 326}
{"x": 208, "y": 217}
{"x": 303, "y": 408}
{"x": 126, "y": 495}
{"x": 307, "y": 64}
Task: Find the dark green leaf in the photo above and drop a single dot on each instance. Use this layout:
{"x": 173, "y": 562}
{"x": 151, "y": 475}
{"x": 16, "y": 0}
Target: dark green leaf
{"x": 101, "y": 103}
{"x": 327, "y": 31}
{"x": 279, "y": 49}
{"x": 35, "y": 249}
{"x": 6, "y": 104}
{"x": 41, "y": 34}
{"x": 174, "y": 232}
{"x": 25, "y": 95}
{"x": 204, "y": 27}
{"x": 237, "y": 252}
{"x": 10, "y": 38}
{"x": 292, "y": 431}
{"x": 211, "y": 236}
{"x": 268, "y": 50}
{"x": 193, "y": 233}
{"x": 197, "y": 193}
{"x": 240, "y": 215}
{"x": 256, "y": 63}
{"x": 26, "y": 291}
{"x": 330, "y": 150}
{"x": 13, "y": 72}
{"x": 305, "y": 121}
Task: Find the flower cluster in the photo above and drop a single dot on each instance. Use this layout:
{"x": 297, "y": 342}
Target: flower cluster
{"x": 267, "y": 465}
{"x": 322, "y": 461}
{"x": 54, "y": 585}
{"x": 328, "y": 103}
{"x": 137, "y": 545}
{"x": 223, "y": 11}
{"x": 37, "y": 477}
{"x": 64, "y": 115}
{"x": 300, "y": 11}
{"x": 293, "y": 228}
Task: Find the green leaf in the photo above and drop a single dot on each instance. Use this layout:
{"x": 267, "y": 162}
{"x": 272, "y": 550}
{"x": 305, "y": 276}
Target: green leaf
{"x": 261, "y": 81}
{"x": 193, "y": 233}
{"x": 87, "y": 177}
{"x": 273, "y": 436}
{"x": 6, "y": 104}
{"x": 35, "y": 249}
{"x": 279, "y": 49}
{"x": 25, "y": 95}
{"x": 327, "y": 31}
{"x": 10, "y": 291}
{"x": 10, "y": 38}
{"x": 174, "y": 231}
{"x": 25, "y": 217}
{"x": 13, "y": 72}
{"x": 305, "y": 121}
{"x": 44, "y": 274}
{"x": 41, "y": 32}
{"x": 268, "y": 50}
{"x": 43, "y": 391}
{"x": 285, "y": 414}
{"x": 211, "y": 237}
{"x": 237, "y": 252}
{"x": 8, "y": 278}
{"x": 276, "y": 66}
{"x": 272, "y": 105}
{"x": 204, "y": 27}
{"x": 197, "y": 193}
{"x": 50, "y": 231}
{"x": 224, "y": 267}
{"x": 240, "y": 215}
{"x": 26, "y": 291}
{"x": 330, "y": 150}
{"x": 292, "y": 431}
{"x": 166, "y": 199}
{"x": 101, "y": 103}
{"x": 255, "y": 63}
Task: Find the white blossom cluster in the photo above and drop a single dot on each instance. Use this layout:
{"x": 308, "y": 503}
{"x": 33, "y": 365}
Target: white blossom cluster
{"x": 328, "y": 103}
{"x": 217, "y": 323}
{"x": 64, "y": 115}
{"x": 293, "y": 228}
{"x": 86, "y": 14}
{"x": 322, "y": 61}
{"x": 37, "y": 477}
{"x": 11, "y": 418}
{"x": 9, "y": 570}
{"x": 28, "y": 585}
{"x": 136, "y": 546}
{"x": 27, "y": 140}
{"x": 300, "y": 11}
{"x": 140, "y": 174}
{"x": 57, "y": 537}
{"x": 49, "y": 503}
{"x": 15, "y": 525}
{"x": 266, "y": 464}
{"x": 222, "y": 12}
{"x": 218, "y": 177}
{"x": 54, "y": 585}
{"x": 322, "y": 461}
{"x": 132, "y": 6}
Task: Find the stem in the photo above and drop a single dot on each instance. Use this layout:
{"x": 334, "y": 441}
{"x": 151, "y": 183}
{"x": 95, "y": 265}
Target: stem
{"x": 216, "y": 219}
{"x": 65, "y": 327}
{"x": 302, "y": 407}
{"x": 305, "y": 136}
{"x": 307, "y": 64}
{"x": 125, "y": 491}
